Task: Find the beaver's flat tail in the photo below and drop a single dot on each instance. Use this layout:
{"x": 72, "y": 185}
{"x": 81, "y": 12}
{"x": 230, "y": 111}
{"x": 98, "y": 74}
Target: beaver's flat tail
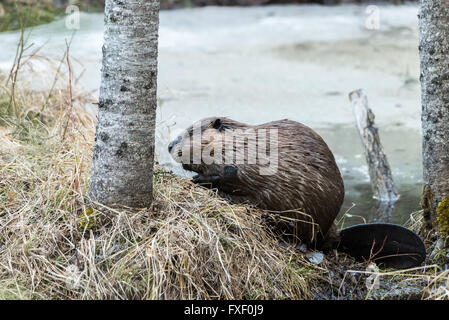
{"x": 386, "y": 244}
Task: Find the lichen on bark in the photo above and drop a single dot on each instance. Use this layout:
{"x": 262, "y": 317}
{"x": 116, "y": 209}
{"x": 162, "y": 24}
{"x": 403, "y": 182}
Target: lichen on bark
{"x": 434, "y": 54}
{"x": 122, "y": 166}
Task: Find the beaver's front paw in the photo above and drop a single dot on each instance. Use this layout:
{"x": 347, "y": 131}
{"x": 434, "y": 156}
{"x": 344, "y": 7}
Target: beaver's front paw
{"x": 196, "y": 179}
{"x": 200, "y": 179}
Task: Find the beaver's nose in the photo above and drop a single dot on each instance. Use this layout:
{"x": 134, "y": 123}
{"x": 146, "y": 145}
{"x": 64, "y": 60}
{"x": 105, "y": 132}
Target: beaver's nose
{"x": 172, "y": 144}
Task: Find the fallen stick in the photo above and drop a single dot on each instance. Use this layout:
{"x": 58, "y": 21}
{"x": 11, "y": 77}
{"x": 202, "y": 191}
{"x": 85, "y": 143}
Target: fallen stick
{"x": 384, "y": 210}
{"x": 381, "y": 178}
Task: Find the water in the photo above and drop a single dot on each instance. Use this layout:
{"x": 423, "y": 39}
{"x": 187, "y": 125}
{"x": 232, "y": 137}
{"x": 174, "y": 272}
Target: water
{"x": 260, "y": 64}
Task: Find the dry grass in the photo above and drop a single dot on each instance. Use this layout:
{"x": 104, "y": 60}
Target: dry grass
{"x": 190, "y": 244}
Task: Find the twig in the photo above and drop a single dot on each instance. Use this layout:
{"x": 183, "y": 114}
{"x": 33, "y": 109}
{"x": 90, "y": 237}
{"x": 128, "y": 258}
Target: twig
{"x": 371, "y": 255}
{"x": 56, "y": 76}
{"x": 16, "y": 66}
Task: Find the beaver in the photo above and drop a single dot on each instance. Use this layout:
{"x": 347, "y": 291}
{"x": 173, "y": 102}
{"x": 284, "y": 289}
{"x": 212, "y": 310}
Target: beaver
{"x": 281, "y": 166}
{"x": 285, "y": 167}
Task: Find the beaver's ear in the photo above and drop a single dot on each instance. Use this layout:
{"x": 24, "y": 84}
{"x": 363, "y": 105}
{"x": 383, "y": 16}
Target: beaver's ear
{"x": 218, "y": 124}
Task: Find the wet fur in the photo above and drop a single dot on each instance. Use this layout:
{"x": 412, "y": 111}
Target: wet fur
{"x": 307, "y": 183}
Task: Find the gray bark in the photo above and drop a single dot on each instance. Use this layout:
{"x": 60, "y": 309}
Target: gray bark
{"x": 434, "y": 54}
{"x": 381, "y": 178}
{"x": 122, "y": 167}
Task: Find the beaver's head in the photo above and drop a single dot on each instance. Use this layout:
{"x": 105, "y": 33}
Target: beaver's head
{"x": 195, "y": 147}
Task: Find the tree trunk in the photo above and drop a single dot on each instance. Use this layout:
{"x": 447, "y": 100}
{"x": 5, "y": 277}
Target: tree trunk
{"x": 122, "y": 170}
{"x": 434, "y": 53}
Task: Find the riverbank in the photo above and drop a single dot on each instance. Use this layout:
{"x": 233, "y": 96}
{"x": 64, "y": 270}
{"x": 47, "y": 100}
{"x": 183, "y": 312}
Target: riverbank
{"x": 15, "y": 14}
{"x": 190, "y": 244}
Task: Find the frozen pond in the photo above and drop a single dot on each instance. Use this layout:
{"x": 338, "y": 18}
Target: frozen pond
{"x": 260, "y": 64}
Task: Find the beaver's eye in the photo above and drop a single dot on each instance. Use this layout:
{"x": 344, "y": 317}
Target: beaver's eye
{"x": 218, "y": 124}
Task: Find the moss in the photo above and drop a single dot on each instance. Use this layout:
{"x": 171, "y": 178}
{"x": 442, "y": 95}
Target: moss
{"x": 87, "y": 221}
{"x": 443, "y": 216}
{"x": 429, "y": 213}
{"x": 16, "y": 15}
{"x": 89, "y": 5}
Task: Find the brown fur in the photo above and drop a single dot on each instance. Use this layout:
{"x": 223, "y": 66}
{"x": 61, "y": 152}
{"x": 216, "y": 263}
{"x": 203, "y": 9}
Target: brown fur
{"x": 307, "y": 185}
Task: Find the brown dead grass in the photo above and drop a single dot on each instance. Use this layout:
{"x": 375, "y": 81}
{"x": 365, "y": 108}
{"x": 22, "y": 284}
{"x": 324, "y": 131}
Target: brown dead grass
{"x": 190, "y": 244}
